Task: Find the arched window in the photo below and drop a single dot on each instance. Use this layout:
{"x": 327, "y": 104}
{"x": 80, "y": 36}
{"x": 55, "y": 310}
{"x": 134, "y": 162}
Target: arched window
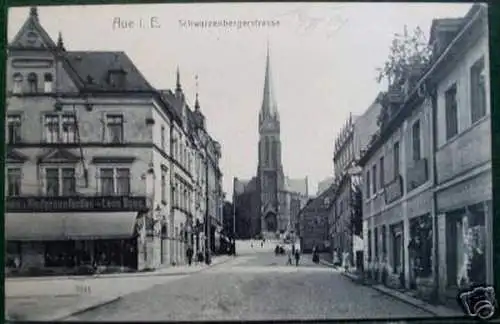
{"x": 33, "y": 82}
{"x": 18, "y": 82}
{"x": 266, "y": 150}
{"x": 47, "y": 82}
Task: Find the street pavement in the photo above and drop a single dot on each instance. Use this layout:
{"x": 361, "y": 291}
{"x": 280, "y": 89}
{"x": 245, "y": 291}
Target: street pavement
{"x": 255, "y": 286}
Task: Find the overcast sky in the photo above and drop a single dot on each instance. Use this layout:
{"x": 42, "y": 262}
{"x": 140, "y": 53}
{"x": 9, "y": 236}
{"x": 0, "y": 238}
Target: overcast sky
{"x": 323, "y": 58}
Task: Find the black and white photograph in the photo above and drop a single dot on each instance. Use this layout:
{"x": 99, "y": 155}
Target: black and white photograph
{"x": 248, "y": 161}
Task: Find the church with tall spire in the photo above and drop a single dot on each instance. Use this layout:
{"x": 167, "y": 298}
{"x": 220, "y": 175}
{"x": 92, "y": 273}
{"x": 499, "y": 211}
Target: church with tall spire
{"x": 268, "y": 204}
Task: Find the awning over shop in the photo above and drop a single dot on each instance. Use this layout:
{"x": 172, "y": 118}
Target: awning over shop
{"x": 69, "y": 226}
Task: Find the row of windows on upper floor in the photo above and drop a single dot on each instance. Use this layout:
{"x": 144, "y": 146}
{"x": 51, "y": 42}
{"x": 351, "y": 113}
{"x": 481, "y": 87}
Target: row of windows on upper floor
{"x": 61, "y": 128}
{"x": 478, "y": 110}
{"x": 31, "y": 85}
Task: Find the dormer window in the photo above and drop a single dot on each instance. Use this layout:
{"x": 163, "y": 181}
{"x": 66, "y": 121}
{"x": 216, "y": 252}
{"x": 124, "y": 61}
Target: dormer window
{"x": 47, "y": 82}
{"x": 18, "y": 83}
{"x": 33, "y": 83}
{"x": 116, "y": 78}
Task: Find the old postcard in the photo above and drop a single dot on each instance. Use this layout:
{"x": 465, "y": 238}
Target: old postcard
{"x": 249, "y": 161}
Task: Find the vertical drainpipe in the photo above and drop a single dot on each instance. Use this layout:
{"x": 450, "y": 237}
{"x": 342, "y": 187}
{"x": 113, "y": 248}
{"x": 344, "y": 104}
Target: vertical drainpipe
{"x": 435, "y": 225}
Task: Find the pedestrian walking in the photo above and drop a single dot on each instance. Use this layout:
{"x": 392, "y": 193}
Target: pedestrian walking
{"x": 297, "y": 257}
{"x": 290, "y": 253}
{"x": 189, "y": 254}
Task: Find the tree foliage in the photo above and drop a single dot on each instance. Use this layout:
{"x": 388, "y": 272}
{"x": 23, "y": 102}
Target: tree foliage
{"x": 407, "y": 51}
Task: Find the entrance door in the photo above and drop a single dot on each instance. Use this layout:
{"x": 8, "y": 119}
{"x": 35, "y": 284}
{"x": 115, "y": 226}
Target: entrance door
{"x": 271, "y": 222}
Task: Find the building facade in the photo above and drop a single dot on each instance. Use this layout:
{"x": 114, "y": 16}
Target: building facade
{"x": 268, "y": 196}
{"x": 345, "y": 218}
{"x": 425, "y": 225}
{"x": 313, "y": 222}
{"x": 463, "y": 177}
{"x": 92, "y": 164}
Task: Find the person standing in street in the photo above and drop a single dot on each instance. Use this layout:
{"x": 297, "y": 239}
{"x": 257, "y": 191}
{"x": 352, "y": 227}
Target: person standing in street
{"x": 189, "y": 254}
{"x": 297, "y": 257}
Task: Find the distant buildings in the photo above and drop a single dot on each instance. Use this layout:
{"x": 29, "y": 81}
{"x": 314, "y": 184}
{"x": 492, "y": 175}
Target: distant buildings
{"x": 427, "y": 188}
{"x": 265, "y": 203}
{"x": 313, "y": 222}
{"x": 101, "y": 167}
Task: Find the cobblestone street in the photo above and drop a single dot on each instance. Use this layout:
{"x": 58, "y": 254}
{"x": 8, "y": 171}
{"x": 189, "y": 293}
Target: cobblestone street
{"x": 255, "y": 287}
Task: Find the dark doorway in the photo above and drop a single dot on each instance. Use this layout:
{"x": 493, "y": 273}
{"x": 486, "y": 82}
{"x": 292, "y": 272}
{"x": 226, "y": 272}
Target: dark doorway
{"x": 271, "y": 222}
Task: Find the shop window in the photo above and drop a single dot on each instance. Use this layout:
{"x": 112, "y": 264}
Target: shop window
{"x": 13, "y": 258}
{"x": 397, "y": 249}
{"x": 476, "y": 245}
{"x": 453, "y": 246}
{"x": 384, "y": 241}
{"x": 420, "y": 246}
{"x": 60, "y": 254}
{"x": 369, "y": 246}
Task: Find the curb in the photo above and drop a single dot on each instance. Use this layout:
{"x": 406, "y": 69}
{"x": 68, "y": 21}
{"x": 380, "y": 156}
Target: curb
{"x": 86, "y": 309}
{"x": 118, "y": 275}
{"x": 420, "y": 304}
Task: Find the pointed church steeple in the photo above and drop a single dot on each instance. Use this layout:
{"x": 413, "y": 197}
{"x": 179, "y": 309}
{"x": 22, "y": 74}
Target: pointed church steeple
{"x": 178, "y": 80}
{"x": 60, "y": 43}
{"x": 269, "y": 107}
{"x": 34, "y": 13}
{"x": 196, "y": 101}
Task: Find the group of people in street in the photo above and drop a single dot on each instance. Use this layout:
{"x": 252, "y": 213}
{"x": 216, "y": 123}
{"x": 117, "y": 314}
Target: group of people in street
{"x": 293, "y": 253}
{"x": 231, "y": 250}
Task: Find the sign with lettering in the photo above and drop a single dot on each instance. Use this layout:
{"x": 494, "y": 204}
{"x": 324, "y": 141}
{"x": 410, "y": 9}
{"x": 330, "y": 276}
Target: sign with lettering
{"x": 67, "y": 204}
{"x": 394, "y": 190}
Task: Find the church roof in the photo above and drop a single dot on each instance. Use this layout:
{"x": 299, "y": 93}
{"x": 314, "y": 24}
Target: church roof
{"x": 297, "y": 185}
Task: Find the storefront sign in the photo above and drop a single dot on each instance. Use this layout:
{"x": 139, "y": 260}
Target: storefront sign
{"x": 65, "y": 204}
{"x": 394, "y": 190}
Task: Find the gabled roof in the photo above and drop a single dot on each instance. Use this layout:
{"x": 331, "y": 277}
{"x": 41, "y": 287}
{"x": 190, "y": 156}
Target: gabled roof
{"x": 32, "y": 35}
{"x": 93, "y": 68}
{"x": 324, "y": 201}
{"x": 14, "y": 156}
{"x": 58, "y": 155}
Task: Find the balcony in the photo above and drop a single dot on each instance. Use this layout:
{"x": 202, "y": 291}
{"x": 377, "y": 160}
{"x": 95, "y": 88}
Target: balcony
{"x": 393, "y": 190}
{"x": 417, "y": 174}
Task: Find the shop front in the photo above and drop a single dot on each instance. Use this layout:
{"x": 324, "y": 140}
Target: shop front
{"x": 62, "y": 234}
{"x": 465, "y": 228}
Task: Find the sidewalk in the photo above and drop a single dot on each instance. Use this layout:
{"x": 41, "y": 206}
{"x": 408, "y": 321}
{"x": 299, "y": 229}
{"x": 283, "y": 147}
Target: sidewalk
{"x": 436, "y": 310}
{"x": 56, "y": 298}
